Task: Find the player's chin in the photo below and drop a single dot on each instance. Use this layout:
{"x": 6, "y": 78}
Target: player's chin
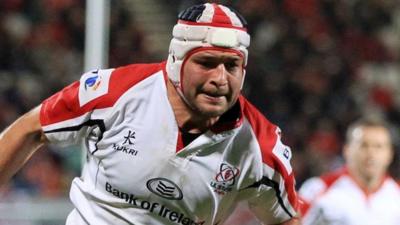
{"x": 371, "y": 172}
{"x": 212, "y": 110}
{"x": 209, "y": 106}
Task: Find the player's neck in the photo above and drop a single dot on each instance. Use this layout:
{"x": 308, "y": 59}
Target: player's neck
{"x": 187, "y": 120}
{"x": 368, "y": 184}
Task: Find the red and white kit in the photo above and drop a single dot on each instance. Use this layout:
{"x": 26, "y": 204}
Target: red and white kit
{"x": 337, "y": 199}
{"x": 138, "y": 170}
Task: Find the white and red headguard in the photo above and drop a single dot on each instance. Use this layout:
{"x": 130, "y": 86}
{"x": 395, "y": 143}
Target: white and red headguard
{"x": 205, "y": 26}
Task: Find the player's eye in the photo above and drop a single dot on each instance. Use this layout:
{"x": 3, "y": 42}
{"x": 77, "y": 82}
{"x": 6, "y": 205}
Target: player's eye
{"x": 232, "y": 66}
{"x": 207, "y": 64}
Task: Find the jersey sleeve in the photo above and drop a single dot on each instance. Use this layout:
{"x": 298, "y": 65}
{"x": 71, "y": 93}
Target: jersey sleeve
{"x": 276, "y": 200}
{"x": 68, "y": 115}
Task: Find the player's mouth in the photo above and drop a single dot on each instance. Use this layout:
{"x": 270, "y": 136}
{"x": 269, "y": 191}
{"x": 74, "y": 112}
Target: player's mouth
{"x": 214, "y": 97}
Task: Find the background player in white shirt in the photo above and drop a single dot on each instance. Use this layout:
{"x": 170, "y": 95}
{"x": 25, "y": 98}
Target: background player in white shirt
{"x": 362, "y": 193}
{"x": 167, "y": 143}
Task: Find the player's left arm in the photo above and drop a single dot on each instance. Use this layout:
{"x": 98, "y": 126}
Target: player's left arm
{"x": 260, "y": 214}
{"x": 276, "y": 202}
{"x": 259, "y": 210}
{"x": 18, "y": 143}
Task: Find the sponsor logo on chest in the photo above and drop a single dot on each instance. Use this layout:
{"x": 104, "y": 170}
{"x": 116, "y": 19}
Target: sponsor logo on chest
{"x": 225, "y": 179}
{"x": 155, "y": 207}
{"x": 164, "y": 188}
{"x": 127, "y": 145}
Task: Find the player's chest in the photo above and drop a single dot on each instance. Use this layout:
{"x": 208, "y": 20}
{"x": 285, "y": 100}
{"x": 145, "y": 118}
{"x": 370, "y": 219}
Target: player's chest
{"x": 376, "y": 208}
{"x": 141, "y": 143}
{"x": 200, "y": 178}
{"x": 141, "y": 156}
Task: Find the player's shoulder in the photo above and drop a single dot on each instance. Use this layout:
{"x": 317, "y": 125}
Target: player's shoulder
{"x": 331, "y": 177}
{"x": 135, "y": 73}
{"x": 256, "y": 119}
{"x": 106, "y": 85}
{"x": 273, "y": 152}
{"x": 123, "y": 78}
{"x": 316, "y": 186}
{"x": 124, "y": 75}
{"x": 96, "y": 89}
{"x": 266, "y": 131}
{"x": 392, "y": 184}
{"x": 311, "y": 188}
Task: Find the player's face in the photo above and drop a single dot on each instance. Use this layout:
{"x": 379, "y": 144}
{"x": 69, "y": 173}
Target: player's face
{"x": 212, "y": 80}
{"x": 369, "y": 151}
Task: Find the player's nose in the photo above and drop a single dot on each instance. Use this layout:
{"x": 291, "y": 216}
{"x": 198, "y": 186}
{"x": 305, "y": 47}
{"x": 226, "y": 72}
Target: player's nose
{"x": 219, "y": 77}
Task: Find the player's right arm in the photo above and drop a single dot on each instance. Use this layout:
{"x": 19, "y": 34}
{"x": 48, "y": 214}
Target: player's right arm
{"x": 18, "y": 142}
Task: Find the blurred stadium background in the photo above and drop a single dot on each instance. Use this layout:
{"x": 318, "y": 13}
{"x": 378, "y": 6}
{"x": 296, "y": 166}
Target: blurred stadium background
{"x": 315, "y": 66}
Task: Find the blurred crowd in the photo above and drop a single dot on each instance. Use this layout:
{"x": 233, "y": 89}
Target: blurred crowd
{"x": 41, "y": 51}
{"x": 314, "y": 67}
{"x": 317, "y": 65}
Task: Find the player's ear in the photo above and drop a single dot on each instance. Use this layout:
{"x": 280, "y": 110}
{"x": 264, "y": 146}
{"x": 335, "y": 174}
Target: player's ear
{"x": 392, "y": 154}
{"x": 346, "y": 151}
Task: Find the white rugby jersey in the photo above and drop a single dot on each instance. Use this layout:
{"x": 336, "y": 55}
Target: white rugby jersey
{"x": 337, "y": 199}
{"x": 138, "y": 171}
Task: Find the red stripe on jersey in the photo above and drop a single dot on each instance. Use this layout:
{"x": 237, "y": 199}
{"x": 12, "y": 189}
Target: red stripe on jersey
{"x": 64, "y": 105}
{"x": 303, "y": 206}
{"x": 330, "y": 178}
{"x": 179, "y": 142}
{"x": 266, "y": 135}
{"x": 264, "y": 130}
{"x": 124, "y": 78}
{"x": 56, "y": 107}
